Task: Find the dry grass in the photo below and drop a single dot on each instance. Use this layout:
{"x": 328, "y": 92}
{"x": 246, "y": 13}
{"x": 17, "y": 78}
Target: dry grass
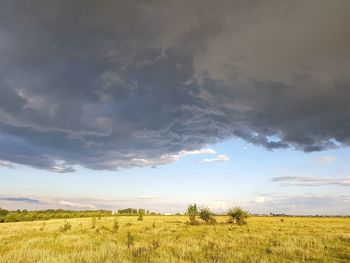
{"x": 171, "y": 239}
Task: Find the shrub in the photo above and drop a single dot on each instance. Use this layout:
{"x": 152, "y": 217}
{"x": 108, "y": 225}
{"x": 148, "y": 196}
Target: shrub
{"x": 43, "y": 226}
{"x": 192, "y": 212}
{"x": 93, "y": 223}
{"x": 67, "y": 226}
{"x": 212, "y": 220}
{"x": 115, "y": 225}
{"x": 205, "y": 214}
{"x": 238, "y": 215}
{"x": 130, "y": 240}
{"x": 141, "y": 213}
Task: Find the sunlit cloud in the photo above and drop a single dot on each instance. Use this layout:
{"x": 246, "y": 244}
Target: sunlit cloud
{"x": 218, "y": 159}
{"x": 325, "y": 160}
{"x": 170, "y": 158}
{"x": 7, "y": 164}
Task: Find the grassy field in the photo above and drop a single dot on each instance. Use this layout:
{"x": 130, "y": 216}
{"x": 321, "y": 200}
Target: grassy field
{"x": 171, "y": 239}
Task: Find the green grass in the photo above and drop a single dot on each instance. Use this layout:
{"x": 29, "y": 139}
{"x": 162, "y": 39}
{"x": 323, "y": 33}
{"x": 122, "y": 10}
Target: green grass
{"x": 171, "y": 239}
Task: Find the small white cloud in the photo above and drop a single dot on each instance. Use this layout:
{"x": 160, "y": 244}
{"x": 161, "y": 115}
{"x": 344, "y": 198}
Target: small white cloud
{"x": 61, "y": 167}
{"x": 218, "y": 205}
{"x": 147, "y": 196}
{"x": 75, "y": 204}
{"x": 217, "y": 159}
{"x": 259, "y": 199}
{"x": 325, "y": 160}
{"x": 7, "y": 164}
{"x": 311, "y": 181}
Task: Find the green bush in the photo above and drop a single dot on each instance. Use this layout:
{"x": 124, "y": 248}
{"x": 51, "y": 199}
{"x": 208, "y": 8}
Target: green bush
{"x": 141, "y": 213}
{"x": 238, "y": 215}
{"x": 192, "y": 212}
{"x": 205, "y": 214}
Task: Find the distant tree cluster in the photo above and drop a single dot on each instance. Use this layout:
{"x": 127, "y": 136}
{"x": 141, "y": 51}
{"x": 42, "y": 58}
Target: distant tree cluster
{"x": 25, "y": 215}
{"x": 135, "y": 212}
{"x": 236, "y": 215}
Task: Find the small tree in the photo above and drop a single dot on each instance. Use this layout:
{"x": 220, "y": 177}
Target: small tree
{"x": 205, "y": 214}
{"x": 192, "y": 212}
{"x": 238, "y": 215}
{"x": 141, "y": 213}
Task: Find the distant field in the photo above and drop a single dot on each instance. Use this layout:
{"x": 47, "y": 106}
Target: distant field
{"x": 171, "y": 239}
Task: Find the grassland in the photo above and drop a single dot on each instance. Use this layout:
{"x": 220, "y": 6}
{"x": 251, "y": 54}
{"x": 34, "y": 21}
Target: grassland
{"x": 171, "y": 239}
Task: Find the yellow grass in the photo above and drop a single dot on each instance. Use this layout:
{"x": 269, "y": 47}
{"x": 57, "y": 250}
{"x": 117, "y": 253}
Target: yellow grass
{"x": 171, "y": 239}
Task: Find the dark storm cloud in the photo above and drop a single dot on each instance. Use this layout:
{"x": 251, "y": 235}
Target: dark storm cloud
{"x": 108, "y": 84}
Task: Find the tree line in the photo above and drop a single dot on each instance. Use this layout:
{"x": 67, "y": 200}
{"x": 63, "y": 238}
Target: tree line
{"x": 25, "y": 215}
{"x": 134, "y": 211}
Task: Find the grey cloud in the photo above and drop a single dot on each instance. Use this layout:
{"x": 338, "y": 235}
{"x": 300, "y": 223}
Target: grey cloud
{"x": 102, "y": 84}
{"x": 21, "y": 199}
{"x": 311, "y": 181}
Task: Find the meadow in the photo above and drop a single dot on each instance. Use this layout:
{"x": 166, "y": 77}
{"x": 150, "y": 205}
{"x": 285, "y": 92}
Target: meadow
{"x": 173, "y": 239}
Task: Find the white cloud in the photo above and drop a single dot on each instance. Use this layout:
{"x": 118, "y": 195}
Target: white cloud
{"x": 61, "y": 167}
{"x": 259, "y": 199}
{"x": 7, "y": 164}
{"x": 147, "y": 196}
{"x": 169, "y": 158}
{"x": 325, "y": 160}
{"x": 218, "y": 206}
{"x": 218, "y": 158}
{"x": 75, "y": 204}
{"x": 311, "y": 181}
{"x": 300, "y": 204}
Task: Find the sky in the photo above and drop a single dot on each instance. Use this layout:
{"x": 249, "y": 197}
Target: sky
{"x": 156, "y": 104}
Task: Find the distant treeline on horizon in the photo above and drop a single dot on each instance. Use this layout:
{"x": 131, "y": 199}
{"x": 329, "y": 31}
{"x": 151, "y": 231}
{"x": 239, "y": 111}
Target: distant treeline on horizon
{"x": 25, "y": 215}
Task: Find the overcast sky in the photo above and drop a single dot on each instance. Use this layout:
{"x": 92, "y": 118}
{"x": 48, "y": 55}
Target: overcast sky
{"x": 160, "y": 103}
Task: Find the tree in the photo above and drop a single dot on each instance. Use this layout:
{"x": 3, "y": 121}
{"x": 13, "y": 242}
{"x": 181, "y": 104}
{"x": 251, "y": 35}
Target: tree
{"x": 3, "y": 212}
{"x": 141, "y": 214}
{"x": 238, "y": 215}
{"x": 205, "y": 214}
{"x": 192, "y": 212}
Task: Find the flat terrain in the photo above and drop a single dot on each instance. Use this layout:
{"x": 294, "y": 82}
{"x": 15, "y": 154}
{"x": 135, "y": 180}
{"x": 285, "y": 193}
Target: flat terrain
{"x": 171, "y": 239}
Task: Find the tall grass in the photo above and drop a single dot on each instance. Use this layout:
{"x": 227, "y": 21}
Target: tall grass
{"x": 172, "y": 239}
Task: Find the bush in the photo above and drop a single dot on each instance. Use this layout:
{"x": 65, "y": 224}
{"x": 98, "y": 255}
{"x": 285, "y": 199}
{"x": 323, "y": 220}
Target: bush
{"x": 130, "y": 240}
{"x": 205, "y": 214}
{"x": 115, "y": 224}
{"x": 212, "y": 220}
{"x": 238, "y": 215}
{"x": 141, "y": 213}
{"x": 192, "y": 212}
{"x": 67, "y": 226}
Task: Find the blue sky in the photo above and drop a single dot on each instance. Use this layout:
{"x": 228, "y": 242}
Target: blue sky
{"x": 244, "y": 178}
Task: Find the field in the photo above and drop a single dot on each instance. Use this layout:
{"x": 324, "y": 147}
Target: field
{"x": 172, "y": 239}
